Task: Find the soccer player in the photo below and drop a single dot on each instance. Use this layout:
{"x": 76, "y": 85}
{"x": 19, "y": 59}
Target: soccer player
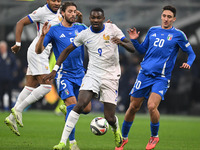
{"x": 160, "y": 47}
{"x": 71, "y": 72}
{"x": 103, "y": 72}
{"x": 38, "y": 65}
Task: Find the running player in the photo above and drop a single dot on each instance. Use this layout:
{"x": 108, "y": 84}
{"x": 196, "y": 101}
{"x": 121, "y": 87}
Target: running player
{"x": 103, "y": 73}
{"x": 69, "y": 76}
{"x": 38, "y": 65}
{"x": 160, "y": 47}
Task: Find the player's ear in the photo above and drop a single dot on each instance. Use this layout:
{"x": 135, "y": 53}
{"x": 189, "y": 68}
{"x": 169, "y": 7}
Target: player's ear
{"x": 174, "y": 19}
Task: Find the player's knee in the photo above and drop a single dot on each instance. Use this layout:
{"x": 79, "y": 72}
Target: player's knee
{"x": 41, "y": 91}
{"x": 151, "y": 107}
{"x": 133, "y": 108}
{"x": 78, "y": 108}
{"x": 87, "y": 109}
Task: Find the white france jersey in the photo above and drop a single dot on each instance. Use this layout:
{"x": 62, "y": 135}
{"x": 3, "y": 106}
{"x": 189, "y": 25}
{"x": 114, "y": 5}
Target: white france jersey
{"x": 103, "y": 54}
{"x": 39, "y": 17}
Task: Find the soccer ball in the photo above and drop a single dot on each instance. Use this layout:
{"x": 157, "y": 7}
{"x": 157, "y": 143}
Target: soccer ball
{"x": 99, "y": 126}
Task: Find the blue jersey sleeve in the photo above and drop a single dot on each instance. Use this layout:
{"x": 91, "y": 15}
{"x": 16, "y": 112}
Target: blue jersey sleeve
{"x": 142, "y": 48}
{"x": 186, "y": 47}
{"x": 48, "y": 38}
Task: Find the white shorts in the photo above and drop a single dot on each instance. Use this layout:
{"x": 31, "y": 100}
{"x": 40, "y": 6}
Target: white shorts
{"x": 38, "y": 64}
{"x": 108, "y": 89}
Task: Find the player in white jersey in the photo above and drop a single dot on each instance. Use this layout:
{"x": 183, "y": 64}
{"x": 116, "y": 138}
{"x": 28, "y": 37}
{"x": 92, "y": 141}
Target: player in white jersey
{"x": 103, "y": 72}
{"x": 38, "y": 65}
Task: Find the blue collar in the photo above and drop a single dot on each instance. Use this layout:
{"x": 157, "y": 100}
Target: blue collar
{"x": 55, "y": 12}
{"x": 98, "y": 31}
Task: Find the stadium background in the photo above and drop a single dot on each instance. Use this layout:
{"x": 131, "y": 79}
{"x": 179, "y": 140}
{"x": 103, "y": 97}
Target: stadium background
{"x": 183, "y": 95}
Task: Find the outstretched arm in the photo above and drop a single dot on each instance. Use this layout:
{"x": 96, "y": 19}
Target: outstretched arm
{"x": 59, "y": 61}
{"x": 134, "y": 34}
{"x": 19, "y": 28}
{"x": 125, "y": 43}
{"x": 39, "y": 46}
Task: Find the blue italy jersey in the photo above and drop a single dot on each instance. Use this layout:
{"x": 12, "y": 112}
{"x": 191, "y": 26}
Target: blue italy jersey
{"x": 161, "y": 48}
{"x": 61, "y": 37}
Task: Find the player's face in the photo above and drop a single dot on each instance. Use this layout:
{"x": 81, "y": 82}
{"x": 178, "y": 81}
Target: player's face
{"x": 96, "y": 20}
{"x": 168, "y": 19}
{"x": 54, "y": 4}
{"x": 70, "y": 14}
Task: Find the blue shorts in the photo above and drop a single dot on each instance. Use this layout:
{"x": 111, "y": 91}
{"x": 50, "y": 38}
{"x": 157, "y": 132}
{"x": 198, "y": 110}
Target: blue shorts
{"x": 144, "y": 85}
{"x": 67, "y": 88}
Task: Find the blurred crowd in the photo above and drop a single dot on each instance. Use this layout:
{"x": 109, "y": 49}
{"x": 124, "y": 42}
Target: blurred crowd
{"x": 11, "y": 76}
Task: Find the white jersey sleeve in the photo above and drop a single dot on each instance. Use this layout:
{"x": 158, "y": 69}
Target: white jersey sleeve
{"x": 79, "y": 39}
{"x": 37, "y": 15}
{"x": 118, "y": 32}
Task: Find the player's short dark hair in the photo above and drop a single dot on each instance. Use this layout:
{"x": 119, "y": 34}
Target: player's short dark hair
{"x": 171, "y": 8}
{"x": 97, "y": 9}
{"x": 67, "y": 4}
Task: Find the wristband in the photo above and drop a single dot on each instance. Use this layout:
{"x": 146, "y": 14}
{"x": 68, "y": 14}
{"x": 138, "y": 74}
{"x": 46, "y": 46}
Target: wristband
{"x": 18, "y": 43}
{"x": 56, "y": 67}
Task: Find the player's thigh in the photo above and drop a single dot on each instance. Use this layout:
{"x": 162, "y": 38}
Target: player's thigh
{"x": 109, "y": 91}
{"x": 31, "y": 81}
{"x": 153, "y": 101}
{"x": 160, "y": 87}
{"x": 37, "y": 64}
{"x": 66, "y": 89}
{"x": 84, "y": 98}
{"x": 142, "y": 86}
{"x": 136, "y": 103}
{"x": 41, "y": 81}
{"x": 70, "y": 100}
{"x": 91, "y": 83}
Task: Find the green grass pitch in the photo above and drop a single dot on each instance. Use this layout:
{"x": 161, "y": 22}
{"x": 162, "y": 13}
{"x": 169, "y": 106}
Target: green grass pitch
{"x": 43, "y": 129}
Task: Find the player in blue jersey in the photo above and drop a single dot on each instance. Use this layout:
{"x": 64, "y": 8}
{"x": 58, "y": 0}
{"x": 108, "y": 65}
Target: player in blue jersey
{"x": 160, "y": 47}
{"x": 69, "y": 75}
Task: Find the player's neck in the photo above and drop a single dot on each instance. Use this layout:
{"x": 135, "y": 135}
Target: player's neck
{"x": 166, "y": 27}
{"x": 66, "y": 24}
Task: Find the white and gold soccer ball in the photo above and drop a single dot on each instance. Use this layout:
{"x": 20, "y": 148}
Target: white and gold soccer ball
{"x": 99, "y": 126}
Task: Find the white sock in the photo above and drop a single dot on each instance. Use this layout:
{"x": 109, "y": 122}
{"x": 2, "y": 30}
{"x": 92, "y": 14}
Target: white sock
{"x": 116, "y": 125}
{"x": 22, "y": 96}
{"x": 69, "y": 125}
{"x": 35, "y": 95}
{"x": 73, "y": 141}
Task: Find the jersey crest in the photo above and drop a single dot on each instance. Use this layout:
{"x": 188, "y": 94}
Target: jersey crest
{"x": 60, "y": 18}
{"x": 169, "y": 37}
{"x": 106, "y": 38}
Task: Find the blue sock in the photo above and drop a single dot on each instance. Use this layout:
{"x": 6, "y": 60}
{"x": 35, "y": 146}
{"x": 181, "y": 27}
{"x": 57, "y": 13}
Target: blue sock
{"x": 69, "y": 108}
{"x": 126, "y": 128}
{"x": 154, "y": 128}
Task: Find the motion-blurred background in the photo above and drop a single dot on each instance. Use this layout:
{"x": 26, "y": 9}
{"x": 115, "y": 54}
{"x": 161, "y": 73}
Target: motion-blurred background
{"x": 184, "y": 93}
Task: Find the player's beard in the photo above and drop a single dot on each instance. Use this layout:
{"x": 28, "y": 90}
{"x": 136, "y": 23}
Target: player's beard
{"x": 70, "y": 20}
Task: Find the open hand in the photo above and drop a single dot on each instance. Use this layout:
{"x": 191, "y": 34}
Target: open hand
{"x": 50, "y": 76}
{"x": 133, "y": 34}
{"x": 45, "y": 28}
{"x": 185, "y": 66}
